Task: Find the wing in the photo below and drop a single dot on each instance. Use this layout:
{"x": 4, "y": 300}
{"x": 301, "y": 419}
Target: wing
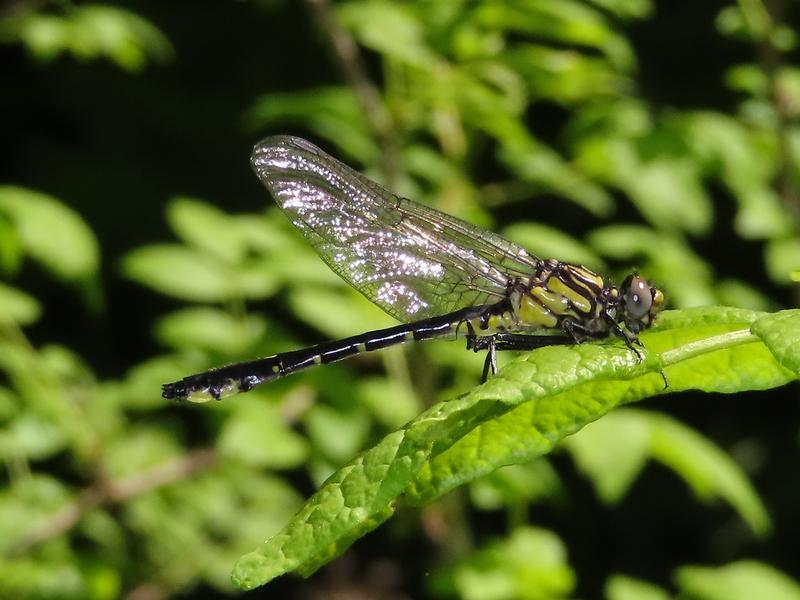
{"x": 413, "y": 261}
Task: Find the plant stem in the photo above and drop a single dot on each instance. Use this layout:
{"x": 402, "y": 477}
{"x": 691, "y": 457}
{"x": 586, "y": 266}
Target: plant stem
{"x": 704, "y": 346}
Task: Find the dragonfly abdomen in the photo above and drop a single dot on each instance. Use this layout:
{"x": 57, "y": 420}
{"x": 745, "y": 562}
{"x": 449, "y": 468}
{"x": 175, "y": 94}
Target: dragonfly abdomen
{"x": 242, "y": 377}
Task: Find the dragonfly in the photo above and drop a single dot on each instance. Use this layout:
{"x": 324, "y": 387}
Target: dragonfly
{"x": 440, "y": 276}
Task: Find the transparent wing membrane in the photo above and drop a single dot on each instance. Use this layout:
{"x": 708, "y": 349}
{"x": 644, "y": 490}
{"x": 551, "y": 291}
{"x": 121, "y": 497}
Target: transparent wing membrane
{"x": 411, "y": 260}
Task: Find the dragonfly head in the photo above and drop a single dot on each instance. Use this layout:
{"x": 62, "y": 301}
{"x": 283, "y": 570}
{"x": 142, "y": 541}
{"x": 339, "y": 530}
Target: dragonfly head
{"x": 640, "y": 302}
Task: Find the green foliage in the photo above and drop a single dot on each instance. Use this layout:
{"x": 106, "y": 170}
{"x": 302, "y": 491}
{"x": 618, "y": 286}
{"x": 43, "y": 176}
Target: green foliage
{"x": 524, "y": 410}
{"x": 50, "y": 233}
{"x": 529, "y": 565}
{"x": 740, "y": 580}
{"x": 111, "y": 491}
{"x": 88, "y": 31}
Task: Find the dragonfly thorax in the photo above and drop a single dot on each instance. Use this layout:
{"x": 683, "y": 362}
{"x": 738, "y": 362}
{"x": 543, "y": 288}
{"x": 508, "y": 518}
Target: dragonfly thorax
{"x": 568, "y": 297}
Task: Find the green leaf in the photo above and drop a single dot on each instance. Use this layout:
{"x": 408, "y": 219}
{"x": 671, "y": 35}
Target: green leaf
{"x": 627, "y": 8}
{"x": 27, "y": 505}
{"x": 91, "y": 31}
{"x": 389, "y": 401}
{"x": 389, "y": 28}
{"x": 508, "y": 486}
{"x": 548, "y": 242}
{"x": 743, "y": 580}
{"x": 33, "y": 436}
{"x": 18, "y": 307}
{"x": 332, "y": 113}
{"x": 613, "y": 450}
{"x": 530, "y": 565}
{"x": 565, "y": 22}
{"x": 564, "y": 76}
{"x": 191, "y": 275}
{"x": 139, "y": 450}
{"x": 664, "y": 185}
{"x": 782, "y": 257}
{"x": 345, "y": 312}
{"x": 211, "y": 329}
{"x": 256, "y": 434}
{"x": 204, "y": 226}
{"x": 51, "y": 233}
{"x": 11, "y": 252}
{"x": 521, "y": 413}
{"x": 539, "y": 164}
{"x": 338, "y": 434}
{"x": 707, "y": 469}
{"x": 732, "y": 292}
{"x": 780, "y": 332}
{"x": 622, "y": 587}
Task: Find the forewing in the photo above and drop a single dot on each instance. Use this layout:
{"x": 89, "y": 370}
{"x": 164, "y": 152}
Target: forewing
{"x": 413, "y": 261}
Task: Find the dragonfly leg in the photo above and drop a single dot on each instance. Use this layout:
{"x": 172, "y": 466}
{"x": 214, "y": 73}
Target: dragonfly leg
{"x": 510, "y": 341}
{"x": 577, "y": 332}
{"x": 491, "y": 359}
{"x": 626, "y": 336}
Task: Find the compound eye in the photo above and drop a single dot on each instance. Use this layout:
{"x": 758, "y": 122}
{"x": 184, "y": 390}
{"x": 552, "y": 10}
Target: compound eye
{"x": 638, "y": 298}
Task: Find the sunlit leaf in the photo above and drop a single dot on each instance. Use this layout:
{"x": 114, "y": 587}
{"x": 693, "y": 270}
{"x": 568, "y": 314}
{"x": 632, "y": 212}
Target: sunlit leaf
{"x": 565, "y": 22}
{"x": 612, "y": 452}
{"x": 204, "y": 226}
{"x": 390, "y": 28}
{"x": 338, "y": 434}
{"x": 547, "y": 242}
{"x": 256, "y": 435}
{"x": 210, "y": 329}
{"x": 18, "y": 307}
{"x": 532, "y": 403}
{"x": 191, "y": 275}
{"x": 332, "y": 113}
{"x": 530, "y": 565}
{"x": 344, "y": 313}
{"x": 565, "y": 76}
{"x": 514, "y": 484}
{"x": 90, "y": 31}
{"x": 139, "y": 450}
{"x": 743, "y": 580}
{"x": 782, "y": 257}
{"x": 51, "y": 233}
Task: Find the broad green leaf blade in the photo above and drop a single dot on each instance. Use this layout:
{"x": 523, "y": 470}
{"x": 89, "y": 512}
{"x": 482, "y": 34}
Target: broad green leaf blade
{"x": 89, "y": 32}
{"x": 333, "y": 113}
{"x": 51, "y": 233}
{"x": 547, "y": 241}
{"x": 530, "y": 565}
{"x": 707, "y": 469}
{"x": 256, "y": 434}
{"x": 725, "y": 365}
{"x": 780, "y": 332}
{"x": 622, "y": 587}
{"x": 743, "y": 580}
{"x": 18, "y": 307}
{"x": 613, "y": 450}
{"x": 516, "y": 484}
{"x": 521, "y": 413}
{"x": 211, "y": 329}
{"x": 206, "y": 227}
{"x": 196, "y": 276}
